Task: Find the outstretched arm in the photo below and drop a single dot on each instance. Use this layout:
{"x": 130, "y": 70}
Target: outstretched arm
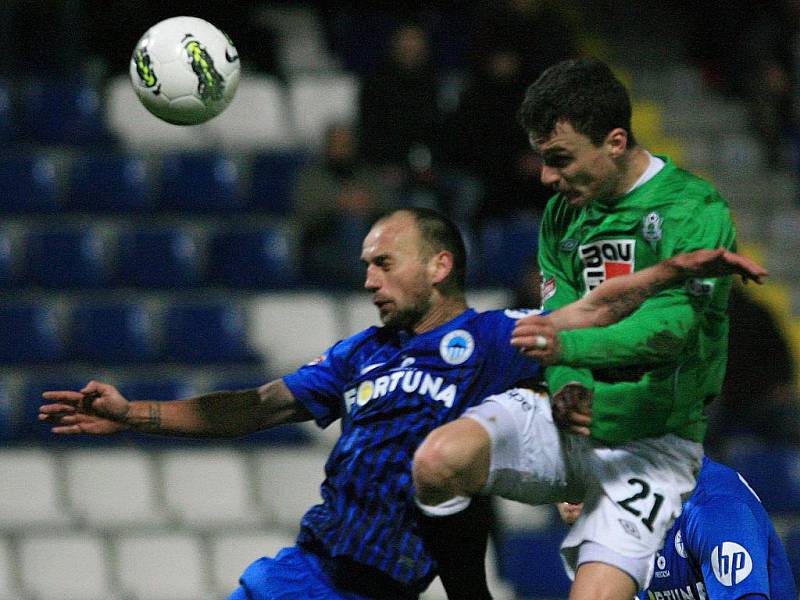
{"x": 618, "y": 297}
{"x": 100, "y": 409}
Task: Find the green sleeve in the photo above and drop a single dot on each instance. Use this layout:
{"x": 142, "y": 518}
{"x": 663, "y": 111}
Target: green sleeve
{"x": 564, "y": 293}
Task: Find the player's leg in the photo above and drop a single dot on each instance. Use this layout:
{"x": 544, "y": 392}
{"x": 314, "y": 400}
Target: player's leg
{"x": 635, "y": 492}
{"x": 601, "y": 581}
{"x": 508, "y": 445}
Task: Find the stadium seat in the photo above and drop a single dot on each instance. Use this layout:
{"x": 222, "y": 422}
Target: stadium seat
{"x": 204, "y": 333}
{"x": 168, "y": 566}
{"x": 792, "y": 546}
{"x": 69, "y": 257}
{"x": 29, "y": 183}
{"x": 157, "y": 389}
{"x": 231, "y": 553}
{"x": 530, "y": 562}
{"x": 28, "y": 334}
{"x": 165, "y": 257}
{"x": 199, "y": 182}
{"x": 288, "y": 483}
{"x": 6, "y": 262}
{"x": 318, "y": 100}
{"x": 62, "y": 113}
{"x": 67, "y": 567}
{"x": 9, "y": 414}
{"x": 109, "y": 182}
{"x": 29, "y": 496}
{"x": 508, "y": 250}
{"x": 293, "y": 328}
{"x": 117, "y": 488}
{"x": 209, "y": 488}
{"x": 8, "y": 570}
{"x": 258, "y": 118}
{"x": 138, "y": 130}
{"x": 272, "y": 181}
{"x": 260, "y": 258}
{"x": 8, "y": 129}
{"x": 115, "y": 333}
{"x": 774, "y": 474}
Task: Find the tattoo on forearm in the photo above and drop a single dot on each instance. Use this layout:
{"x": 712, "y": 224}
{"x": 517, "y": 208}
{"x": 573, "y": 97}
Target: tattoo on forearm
{"x": 627, "y": 301}
{"x": 154, "y": 416}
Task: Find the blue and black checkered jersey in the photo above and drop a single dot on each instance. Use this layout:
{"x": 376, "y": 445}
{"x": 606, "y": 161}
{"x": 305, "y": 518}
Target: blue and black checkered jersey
{"x": 722, "y": 546}
{"x": 390, "y": 389}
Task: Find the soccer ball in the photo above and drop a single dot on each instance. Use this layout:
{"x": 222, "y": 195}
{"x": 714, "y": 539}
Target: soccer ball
{"x": 185, "y": 70}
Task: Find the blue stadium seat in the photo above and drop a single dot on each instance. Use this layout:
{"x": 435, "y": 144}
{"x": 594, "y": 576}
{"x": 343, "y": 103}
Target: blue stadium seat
{"x": 164, "y": 257}
{"x": 28, "y": 334}
{"x": 207, "y": 333}
{"x": 157, "y": 389}
{"x": 29, "y": 184}
{"x": 8, "y": 416}
{"x": 508, "y": 250}
{"x": 68, "y": 257}
{"x": 111, "y": 334}
{"x": 792, "y": 545}
{"x": 109, "y": 183}
{"x": 252, "y": 258}
{"x": 774, "y": 474}
{"x": 200, "y": 182}
{"x": 8, "y": 128}
{"x": 6, "y": 263}
{"x": 530, "y": 561}
{"x": 62, "y": 113}
{"x": 272, "y": 181}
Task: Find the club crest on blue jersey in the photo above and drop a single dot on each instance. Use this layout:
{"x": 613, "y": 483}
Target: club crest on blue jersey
{"x": 456, "y": 347}
{"x": 679, "y": 547}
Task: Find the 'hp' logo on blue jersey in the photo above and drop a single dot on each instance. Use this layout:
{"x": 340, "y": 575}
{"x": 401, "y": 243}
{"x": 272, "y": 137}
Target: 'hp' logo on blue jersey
{"x": 731, "y": 563}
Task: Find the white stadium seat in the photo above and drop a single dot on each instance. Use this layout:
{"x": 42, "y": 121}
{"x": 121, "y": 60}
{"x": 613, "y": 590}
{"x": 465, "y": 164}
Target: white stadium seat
{"x": 209, "y": 488}
{"x": 258, "y": 117}
{"x": 29, "y": 493}
{"x": 319, "y": 100}
{"x": 162, "y": 567}
{"x": 292, "y": 329}
{"x": 288, "y": 482}
{"x": 232, "y": 553}
{"x": 8, "y": 587}
{"x": 66, "y": 567}
{"x": 113, "y": 488}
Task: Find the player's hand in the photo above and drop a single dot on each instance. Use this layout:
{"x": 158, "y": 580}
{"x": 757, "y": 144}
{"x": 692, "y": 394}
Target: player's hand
{"x": 572, "y": 408}
{"x": 97, "y": 409}
{"x": 536, "y": 337}
{"x": 715, "y": 263}
{"x": 569, "y": 512}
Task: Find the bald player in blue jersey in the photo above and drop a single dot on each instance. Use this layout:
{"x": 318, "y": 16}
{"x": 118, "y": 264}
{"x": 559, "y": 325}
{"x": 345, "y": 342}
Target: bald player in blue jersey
{"x": 389, "y": 386}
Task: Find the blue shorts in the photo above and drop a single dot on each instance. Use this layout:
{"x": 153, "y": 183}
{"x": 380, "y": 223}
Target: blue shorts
{"x": 294, "y": 574}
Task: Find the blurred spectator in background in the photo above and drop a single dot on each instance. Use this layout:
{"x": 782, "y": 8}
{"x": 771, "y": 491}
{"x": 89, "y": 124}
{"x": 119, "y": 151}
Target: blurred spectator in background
{"x": 532, "y": 30}
{"x": 485, "y": 138}
{"x": 770, "y": 66}
{"x": 335, "y": 200}
{"x": 398, "y": 107}
{"x": 758, "y": 398}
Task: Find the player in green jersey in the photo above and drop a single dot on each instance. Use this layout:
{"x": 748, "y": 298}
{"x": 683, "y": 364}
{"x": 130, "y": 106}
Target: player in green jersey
{"x": 617, "y": 209}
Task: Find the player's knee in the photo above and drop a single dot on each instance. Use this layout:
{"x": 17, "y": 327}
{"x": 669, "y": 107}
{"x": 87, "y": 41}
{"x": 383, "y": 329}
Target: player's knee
{"x": 433, "y": 469}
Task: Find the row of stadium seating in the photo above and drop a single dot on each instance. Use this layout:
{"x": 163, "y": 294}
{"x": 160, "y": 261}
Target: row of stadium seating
{"x": 183, "y": 523}
{"x": 117, "y": 182}
{"x": 204, "y": 253}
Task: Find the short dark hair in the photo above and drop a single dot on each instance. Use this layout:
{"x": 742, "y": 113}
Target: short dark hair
{"x": 440, "y": 233}
{"x": 581, "y": 91}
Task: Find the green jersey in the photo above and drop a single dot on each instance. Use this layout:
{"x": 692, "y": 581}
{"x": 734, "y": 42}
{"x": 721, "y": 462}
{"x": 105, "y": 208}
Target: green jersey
{"x": 653, "y": 372}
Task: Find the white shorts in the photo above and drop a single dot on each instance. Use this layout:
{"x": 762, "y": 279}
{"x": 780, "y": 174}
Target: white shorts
{"x": 631, "y": 493}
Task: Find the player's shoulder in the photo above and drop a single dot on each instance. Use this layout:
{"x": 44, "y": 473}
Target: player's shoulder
{"x": 690, "y": 190}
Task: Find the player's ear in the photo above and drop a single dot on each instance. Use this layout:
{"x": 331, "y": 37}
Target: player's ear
{"x": 440, "y": 266}
{"x": 616, "y": 142}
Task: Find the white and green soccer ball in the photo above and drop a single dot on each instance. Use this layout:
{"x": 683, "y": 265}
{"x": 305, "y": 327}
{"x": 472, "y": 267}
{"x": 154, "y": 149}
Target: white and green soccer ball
{"x": 185, "y": 70}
